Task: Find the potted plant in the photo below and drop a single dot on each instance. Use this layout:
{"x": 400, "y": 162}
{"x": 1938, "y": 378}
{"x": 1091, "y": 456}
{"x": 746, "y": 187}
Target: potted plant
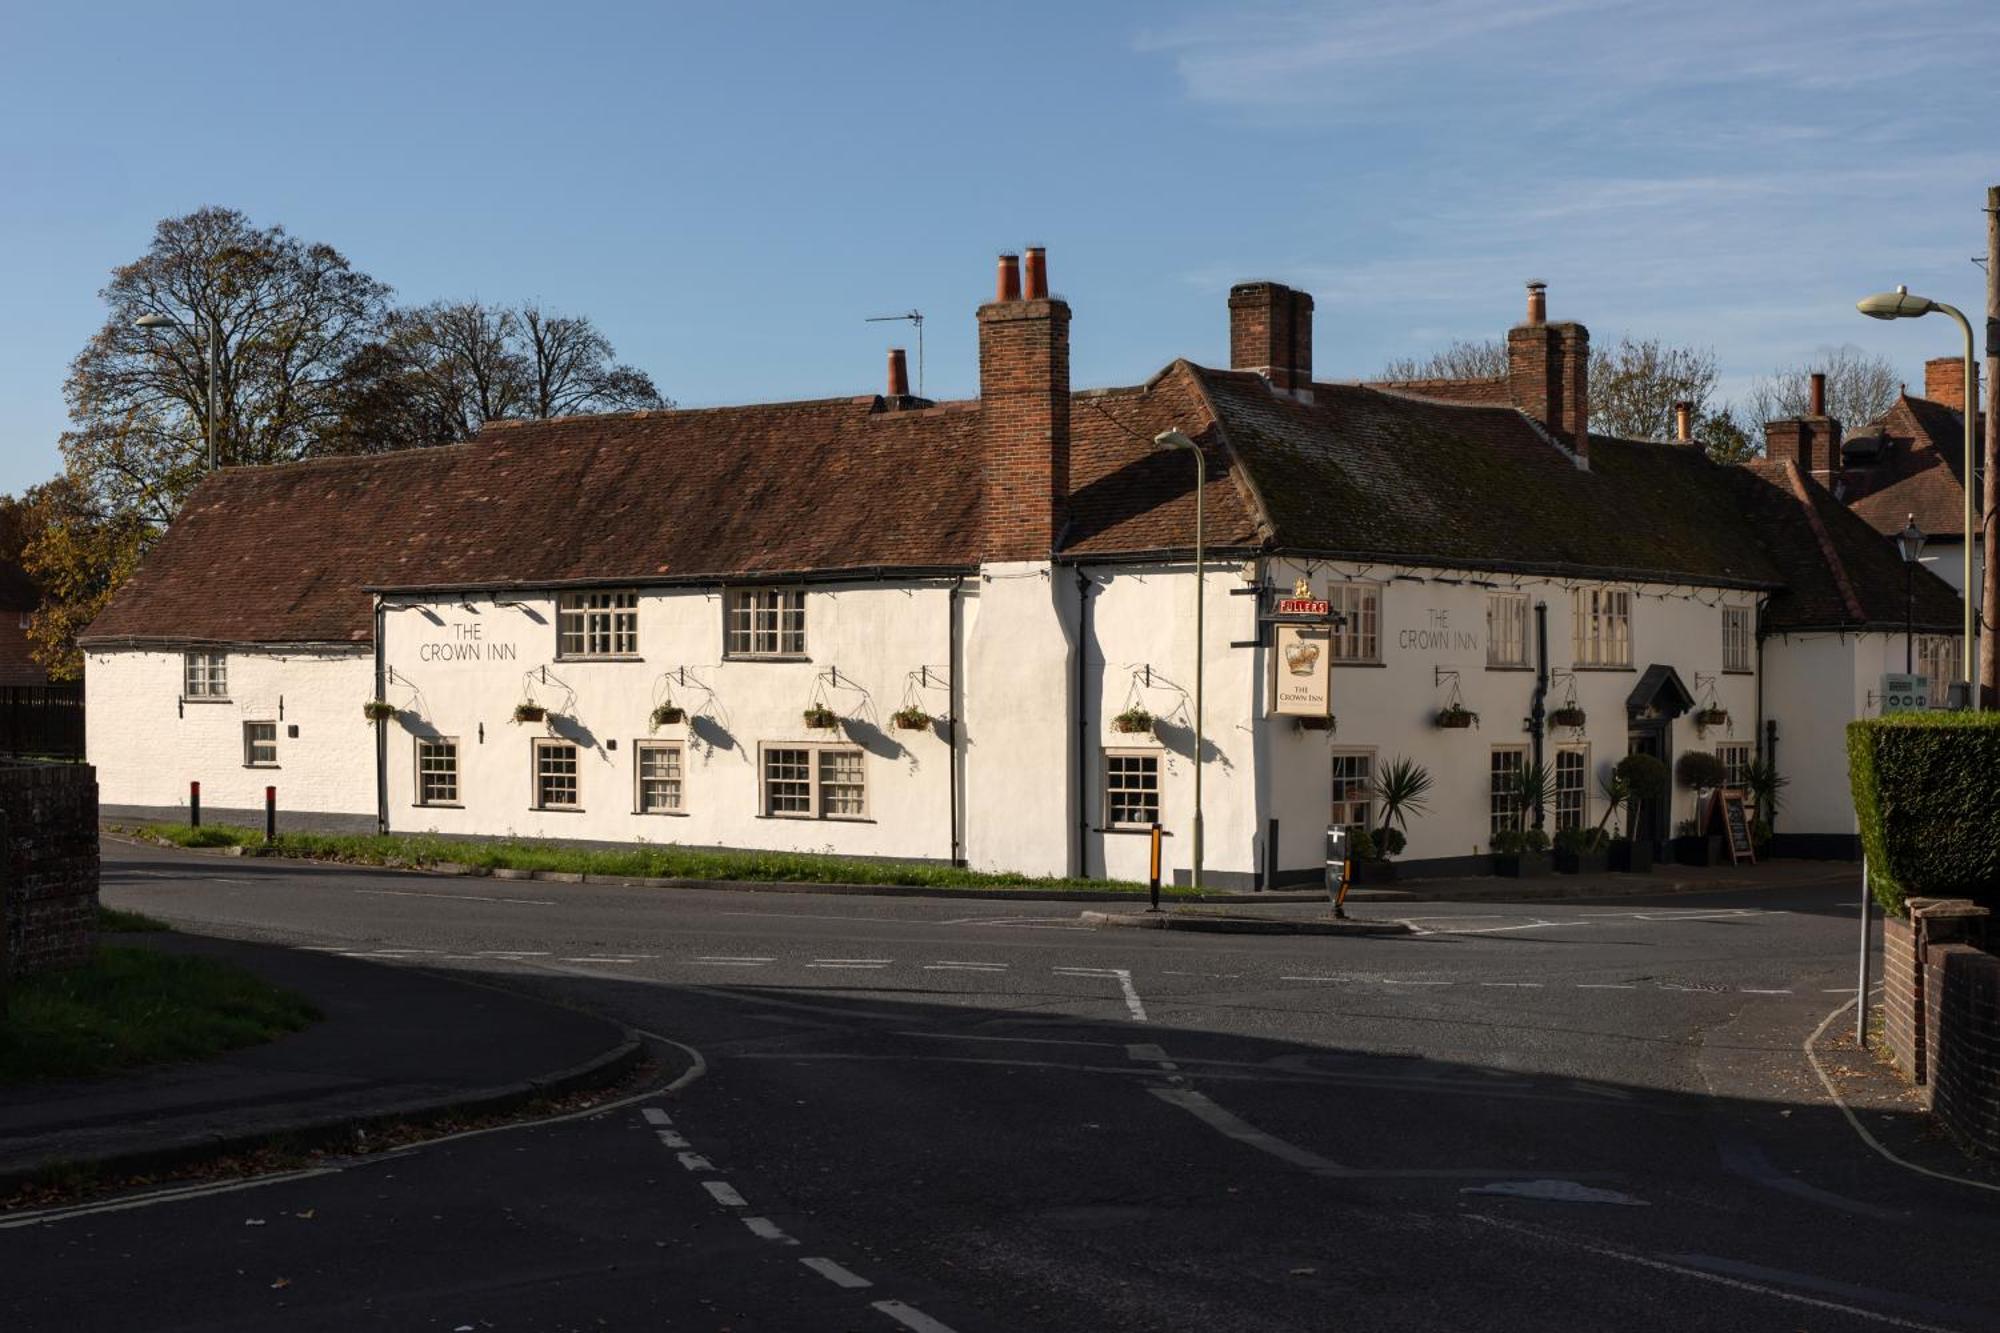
{"x": 378, "y": 710}
{"x": 1582, "y": 851}
{"x": 1366, "y": 863}
{"x": 1403, "y": 787}
{"x": 668, "y": 715}
{"x": 821, "y": 718}
{"x": 1569, "y": 715}
{"x": 1456, "y": 717}
{"x": 1314, "y": 723}
{"x": 1711, "y": 716}
{"x": 529, "y": 711}
{"x": 911, "y": 718}
{"x": 1765, "y": 784}
{"x": 1694, "y": 848}
{"x": 1635, "y": 778}
{"x": 1520, "y": 853}
{"x": 1133, "y": 721}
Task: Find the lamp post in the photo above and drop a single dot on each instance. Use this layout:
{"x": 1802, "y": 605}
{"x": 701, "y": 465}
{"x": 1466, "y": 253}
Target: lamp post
{"x": 1174, "y": 439}
{"x": 1910, "y": 545}
{"x": 1899, "y": 304}
{"x": 208, "y": 344}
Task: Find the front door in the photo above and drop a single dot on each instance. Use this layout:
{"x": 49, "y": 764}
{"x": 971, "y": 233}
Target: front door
{"x": 1649, "y": 818}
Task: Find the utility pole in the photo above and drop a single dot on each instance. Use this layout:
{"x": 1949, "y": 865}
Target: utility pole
{"x": 1989, "y": 519}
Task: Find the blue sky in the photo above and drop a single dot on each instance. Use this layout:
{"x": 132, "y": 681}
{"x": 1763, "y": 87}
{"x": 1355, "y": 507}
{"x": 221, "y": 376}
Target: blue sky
{"x": 730, "y": 189}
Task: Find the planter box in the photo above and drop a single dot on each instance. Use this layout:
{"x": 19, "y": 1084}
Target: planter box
{"x": 1584, "y": 863}
{"x": 1374, "y": 872}
{"x": 1632, "y": 858}
{"x": 1699, "y": 851}
{"x": 1522, "y": 865}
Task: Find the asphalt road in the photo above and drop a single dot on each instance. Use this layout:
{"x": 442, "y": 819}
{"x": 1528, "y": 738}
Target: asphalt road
{"x": 924, "y": 1114}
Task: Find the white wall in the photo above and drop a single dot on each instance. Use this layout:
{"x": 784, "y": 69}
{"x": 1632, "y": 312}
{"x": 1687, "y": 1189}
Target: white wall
{"x": 148, "y": 744}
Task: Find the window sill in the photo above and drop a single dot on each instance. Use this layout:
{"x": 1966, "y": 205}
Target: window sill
{"x": 1575, "y": 667}
{"x": 671, "y": 814}
{"x": 1337, "y": 664}
{"x": 437, "y": 805}
{"x": 557, "y": 809}
{"x": 599, "y": 657}
{"x": 1130, "y": 830}
{"x": 821, "y": 819}
{"x": 206, "y": 699}
{"x": 1511, "y": 666}
{"x": 265, "y": 768}
{"x": 1738, "y": 671}
{"x": 766, "y": 657}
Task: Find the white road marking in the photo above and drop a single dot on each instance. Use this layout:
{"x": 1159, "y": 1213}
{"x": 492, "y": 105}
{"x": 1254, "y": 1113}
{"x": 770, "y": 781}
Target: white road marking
{"x": 910, "y": 1317}
{"x": 965, "y": 967}
{"x": 514, "y": 953}
{"x": 593, "y": 959}
{"x": 655, "y": 1116}
{"x": 694, "y": 1161}
{"x": 461, "y": 897}
{"x": 175, "y": 1195}
{"x": 876, "y": 962}
{"x": 741, "y": 960}
{"x": 1393, "y": 981}
{"x": 1555, "y": 1191}
{"x": 1522, "y": 985}
{"x": 1606, "y": 985}
{"x": 1230, "y": 1126}
{"x": 765, "y": 1229}
{"x": 1124, "y": 976}
{"x": 838, "y": 1276}
{"x": 847, "y": 967}
{"x": 1748, "y": 990}
{"x": 670, "y": 1138}
{"x": 724, "y": 1193}
{"x": 1028, "y": 1041}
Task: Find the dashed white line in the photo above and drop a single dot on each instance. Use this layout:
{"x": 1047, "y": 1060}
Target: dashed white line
{"x": 1515, "y": 985}
{"x": 765, "y": 1229}
{"x": 1124, "y": 976}
{"x": 838, "y": 1276}
{"x": 965, "y": 967}
{"x": 1606, "y": 985}
{"x": 1751, "y": 990}
{"x": 724, "y": 1193}
{"x": 597, "y": 959}
{"x": 1392, "y": 981}
{"x": 655, "y": 1116}
{"x": 694, "y": 1161}
{"x": 727, "y": 960}
{"x": 671, "y": 1138}
{"x": 910, "y": 1317}
{"x": 461, "y": 897}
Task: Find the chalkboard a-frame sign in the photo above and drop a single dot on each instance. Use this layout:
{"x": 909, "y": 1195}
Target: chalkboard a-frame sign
{"x": 1725, "y": 814}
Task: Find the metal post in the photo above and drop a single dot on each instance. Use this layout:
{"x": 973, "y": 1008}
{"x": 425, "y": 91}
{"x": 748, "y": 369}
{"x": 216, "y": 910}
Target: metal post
{"x": 1200, "y": 479}
{"x": 270, "y": 814}
{"x": 1861, "y": 994}
{"x": 1271, "y": 854}
{"x": 1909, "y": 617}
{"x": 1153, "y": 872}
{"x": 1989, "y": 651}
{"x": 194, "y": 805}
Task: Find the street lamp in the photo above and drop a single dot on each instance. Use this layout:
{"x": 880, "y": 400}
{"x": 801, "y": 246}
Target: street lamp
{"x": 208, "y": 342}
{"x": 1910, "y": 545}
{"x": 1899, "y": 304}
{"x": 1174, "y": 439}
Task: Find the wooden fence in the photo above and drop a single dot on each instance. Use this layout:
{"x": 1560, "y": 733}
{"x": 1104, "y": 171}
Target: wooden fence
{"x": 41, "y": 721}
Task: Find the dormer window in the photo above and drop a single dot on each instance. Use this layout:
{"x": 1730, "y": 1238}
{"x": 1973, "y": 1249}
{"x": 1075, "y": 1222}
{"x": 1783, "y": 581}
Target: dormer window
{"x": 765, "y": 622}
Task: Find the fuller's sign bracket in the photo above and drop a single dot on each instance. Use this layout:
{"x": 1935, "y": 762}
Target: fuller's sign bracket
{"x": 1298, "y": 608}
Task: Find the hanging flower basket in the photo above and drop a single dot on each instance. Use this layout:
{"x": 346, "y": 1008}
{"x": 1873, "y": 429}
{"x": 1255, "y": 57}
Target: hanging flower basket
{"x": 1456, "y": 717}
{"x": 668, "y": 715}
{"x": 821, "y": 718}
{"x": 1569, "y": 715}
{"x": 911, "y": 719}
{"x": 1315, "y": 723}
{"x": 529, "y": 712}
{"x": 378, "y": 710}
{"x": 1712, "y": 717}
{"x": 1132, "y": 722}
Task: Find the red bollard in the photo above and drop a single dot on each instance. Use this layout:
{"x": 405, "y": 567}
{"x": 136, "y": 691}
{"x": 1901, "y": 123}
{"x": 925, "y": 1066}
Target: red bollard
{"x": 194, "y": 805}
{"x": 270, "y": 814}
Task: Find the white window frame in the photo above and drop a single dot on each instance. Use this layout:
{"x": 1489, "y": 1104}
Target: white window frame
{"x": 428, "y": 751}
{"x": 1507, "y": 630}
{"x": 764, "y": 623}
{"x": 1503, "y": 814}
{"x": 205, "y": 676}
{"x": 1737, "y": 639}
{"x": 1356, "y": 639}
{"x": 1116, "y": 759}
{"x": 1570, "y": 803}
{"x": 1346, "y": 804}
{"x": 640, "y": 751}
{"x": 815, "y": 776}
{"x": 595, "y": 625}
{"x": 1736, "y": 757}
{"x": 537, "y": 772}
{"x": 252, "y": 743}
{"x": 1601, "y": 627}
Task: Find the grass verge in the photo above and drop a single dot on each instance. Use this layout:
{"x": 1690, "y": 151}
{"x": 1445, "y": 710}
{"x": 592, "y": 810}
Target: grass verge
{"x": 130, "y": 1007}
{"x": 131, "y": 923}
{"x": 647, "y": 861}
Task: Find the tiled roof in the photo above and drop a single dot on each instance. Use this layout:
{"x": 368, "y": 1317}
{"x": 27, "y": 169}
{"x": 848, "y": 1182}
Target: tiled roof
{"x": 1921, "y": 475}
{"x": 17, "y": 588}
{"x": 286, "y": 554}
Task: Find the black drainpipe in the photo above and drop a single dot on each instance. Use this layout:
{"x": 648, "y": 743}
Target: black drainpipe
{"x": 1083, "y": 586}
{"x": 951, "y": 721}
{"x": 381, "y": 730}
{"x": 1538, "y": 710}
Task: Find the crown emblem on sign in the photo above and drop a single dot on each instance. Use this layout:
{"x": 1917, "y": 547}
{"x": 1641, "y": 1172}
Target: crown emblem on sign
{"x": 1302, "y": 589}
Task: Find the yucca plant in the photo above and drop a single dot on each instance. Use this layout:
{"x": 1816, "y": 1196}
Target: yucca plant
{"x": 1403, "y": 786}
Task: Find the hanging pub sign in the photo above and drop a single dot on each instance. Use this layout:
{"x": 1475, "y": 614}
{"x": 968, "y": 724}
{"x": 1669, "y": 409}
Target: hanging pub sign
{"x": 1301, "y": 606}
{"x": 1301, "y": 654}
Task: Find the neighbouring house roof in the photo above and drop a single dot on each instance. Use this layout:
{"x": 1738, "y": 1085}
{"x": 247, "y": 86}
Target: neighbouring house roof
{"x": 18, "y": 591}
{"x": 1920, "y": 473}
{"x": 290, "y": 553}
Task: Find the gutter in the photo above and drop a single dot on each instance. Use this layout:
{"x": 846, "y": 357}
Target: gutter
{"x": 1406, "y": 559}
{"x": 1082, "y": 774}
{"x": 381, "y": 730}
{"x": 706, "y": 580}
{"x": 952, "y": 724}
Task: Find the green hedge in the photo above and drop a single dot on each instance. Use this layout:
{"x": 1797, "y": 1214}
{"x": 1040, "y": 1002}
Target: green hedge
{"x": 1927, "y": 795}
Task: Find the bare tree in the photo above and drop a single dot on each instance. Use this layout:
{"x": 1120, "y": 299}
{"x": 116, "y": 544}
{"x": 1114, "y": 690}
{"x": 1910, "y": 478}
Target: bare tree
{"x": 573, "y": 368}
{"x": 1860, "y": 386}
{"x": 1482, "y": 359}
{"x": 1635, "y": 382}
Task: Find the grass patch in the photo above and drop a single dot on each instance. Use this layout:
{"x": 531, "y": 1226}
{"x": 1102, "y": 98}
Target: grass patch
{"x": 132, "y": 1007}
{"x": 110, "y": 918}
{"x": 642, "y": 861}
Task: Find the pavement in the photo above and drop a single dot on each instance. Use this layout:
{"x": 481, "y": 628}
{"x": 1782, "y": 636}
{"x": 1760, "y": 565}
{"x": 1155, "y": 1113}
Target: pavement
{"x": 939, "y": 1115}
{"x": 394, "y": 1045}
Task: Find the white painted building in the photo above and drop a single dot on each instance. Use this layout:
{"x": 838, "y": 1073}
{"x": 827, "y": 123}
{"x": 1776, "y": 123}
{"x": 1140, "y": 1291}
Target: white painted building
{"x": 1016, "y": 569}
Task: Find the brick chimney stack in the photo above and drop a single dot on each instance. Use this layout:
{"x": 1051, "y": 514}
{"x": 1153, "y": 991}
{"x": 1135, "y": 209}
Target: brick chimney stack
{"x": 899, "y": 374}
{"x": 1271, "y": 332}
{"x": 1024, "y": 414}
{"x": 1816, "y": 407}
{"x": 1944, "y": 381}
{"x": 1684, "y": 422}
{"x": 1548, "y": 373}
{"x": 1812, "y": 440}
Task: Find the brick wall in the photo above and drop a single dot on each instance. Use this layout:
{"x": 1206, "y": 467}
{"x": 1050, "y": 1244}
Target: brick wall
{"x": 48, "y": 864}
{"x": 1024, "y": 421}
{"x": 1962, "y": 984}
{"x": 1902, "y": 998}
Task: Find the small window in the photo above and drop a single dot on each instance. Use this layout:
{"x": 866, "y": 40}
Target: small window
{"x": 597, "y": 624}
{"x": 260, "y": 744}
{"x": 766, "y": 622}
{"x": 437, "y": 771}
{"x": 205, "y": 675}
{"x": 815, "y": 782}
{"x": 1572, "y": 790}
{"x": 1358, "y": 637}
{"x": 1131, "y": 788}
{"x": 1353, "y": 790}
{"x": 1735, "y": 638}
{"x": 1503, "y": 809}
{"x": 1506, "y": 629}
{"x": 1736, "y": 760}
{"x": 1601, "y": 627}
{"x": 555, "y": 776}
{"x": 657, "y": 765}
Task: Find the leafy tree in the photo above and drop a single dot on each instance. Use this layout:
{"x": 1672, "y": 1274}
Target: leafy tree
{"x": 1726, "y": 441}
{"x": 1860, "y": 387}
{"x": 1635, "y": 382}
{"x": 79, "y": 554}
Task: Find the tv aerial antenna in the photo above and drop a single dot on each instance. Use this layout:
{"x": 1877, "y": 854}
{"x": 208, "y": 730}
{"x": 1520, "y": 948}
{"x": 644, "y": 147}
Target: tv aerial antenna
{"x": 915, "y": 317}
